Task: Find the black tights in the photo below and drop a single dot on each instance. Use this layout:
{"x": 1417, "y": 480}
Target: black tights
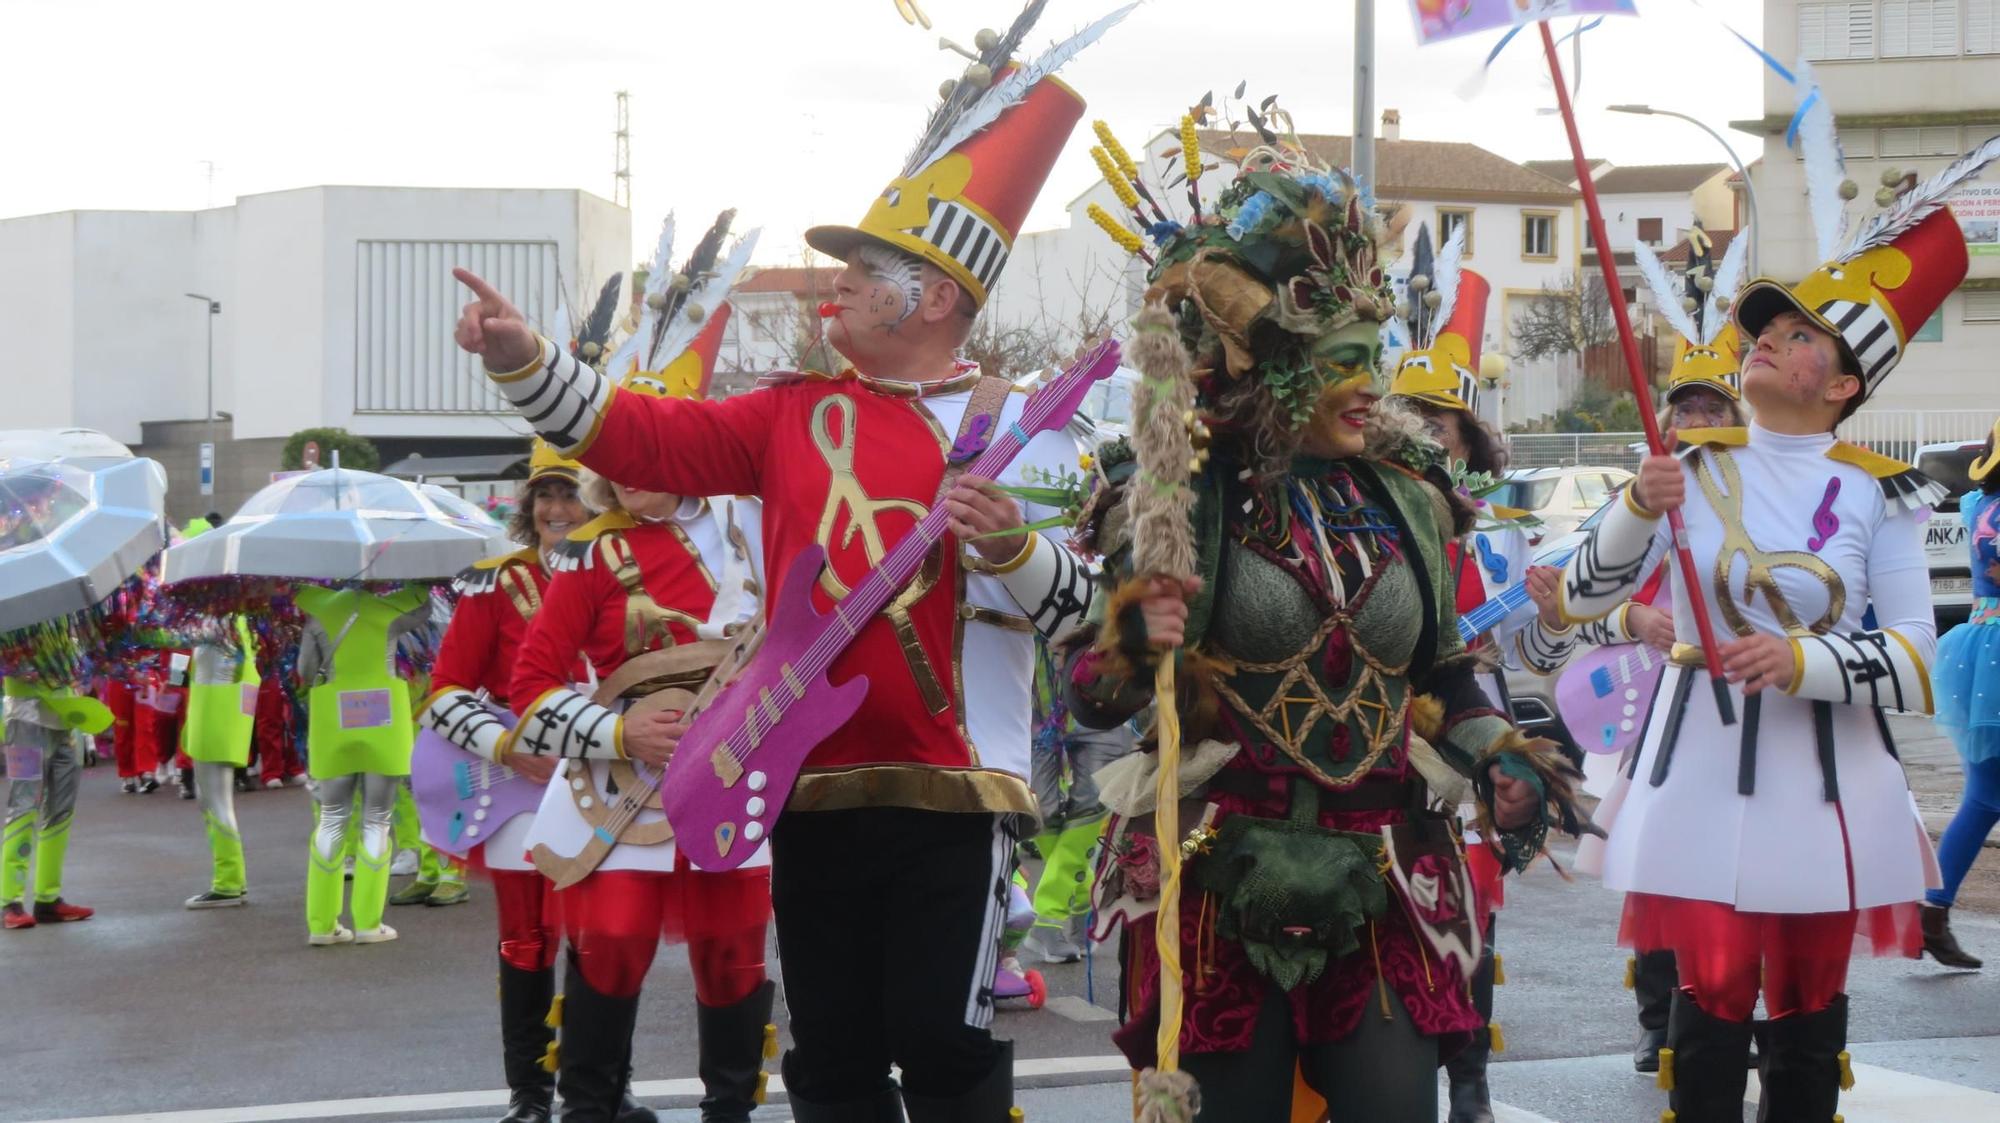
{"x": 1383, "y": 1072}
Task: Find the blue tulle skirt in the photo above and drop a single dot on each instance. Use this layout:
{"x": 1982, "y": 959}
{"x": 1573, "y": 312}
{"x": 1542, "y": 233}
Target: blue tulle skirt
{"x": 1965, "y": 686}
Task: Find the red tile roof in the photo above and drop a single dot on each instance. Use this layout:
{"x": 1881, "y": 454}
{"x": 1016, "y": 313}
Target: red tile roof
{"x": 1678, "y": 255}
{"x": 1418, "y": 169}
{"x": 1656, "y": 179}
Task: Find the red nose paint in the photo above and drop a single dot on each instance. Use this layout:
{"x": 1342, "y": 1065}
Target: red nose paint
{"x": 829, "y": 310}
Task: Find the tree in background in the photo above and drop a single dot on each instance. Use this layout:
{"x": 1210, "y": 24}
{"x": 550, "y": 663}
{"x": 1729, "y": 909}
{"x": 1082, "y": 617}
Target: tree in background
{"x": 1568, "y": 318}
{"x": 355, "y": 452}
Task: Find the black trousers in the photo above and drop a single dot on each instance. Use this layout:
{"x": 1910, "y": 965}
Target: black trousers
{"x": 888, "y": 931}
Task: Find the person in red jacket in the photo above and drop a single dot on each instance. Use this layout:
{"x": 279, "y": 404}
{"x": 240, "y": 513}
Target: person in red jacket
{"x": 917, "y": 799}
{"x": 497, "y": 600}
{"x": 645, "y": 593}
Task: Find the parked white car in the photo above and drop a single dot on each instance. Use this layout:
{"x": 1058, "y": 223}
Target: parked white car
{"x": 1944, "y": 534}
{"x": 1561, "y": 497}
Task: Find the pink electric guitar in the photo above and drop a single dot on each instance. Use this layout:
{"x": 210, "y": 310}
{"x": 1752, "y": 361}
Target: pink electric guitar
{"x": 731, "y": 775}
{"x": 462, "y": 798}
{"x": 1603, "y": 696}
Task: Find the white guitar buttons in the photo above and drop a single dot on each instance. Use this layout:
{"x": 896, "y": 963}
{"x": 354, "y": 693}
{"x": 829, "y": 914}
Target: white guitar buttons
{"x": 754, "y": 807}
{"x": 471, "y": 832}
{"x": 585, "y": 802}
{"x": 757, "y": 780}
{"x": 485, "y": 801}
{"x": 753, "y": 831}
{"x": 479, "y": 815}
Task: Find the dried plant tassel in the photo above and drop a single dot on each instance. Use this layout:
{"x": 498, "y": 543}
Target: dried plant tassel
{"x": 1160, "y": 504}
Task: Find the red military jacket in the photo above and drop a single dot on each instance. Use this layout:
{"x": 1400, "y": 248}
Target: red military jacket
{"x": 851, "y": 465}
{"x": 496, "y": 601}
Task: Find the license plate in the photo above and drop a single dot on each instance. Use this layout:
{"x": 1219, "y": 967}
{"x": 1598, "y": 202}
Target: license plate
{"x": 1951, "y": 586}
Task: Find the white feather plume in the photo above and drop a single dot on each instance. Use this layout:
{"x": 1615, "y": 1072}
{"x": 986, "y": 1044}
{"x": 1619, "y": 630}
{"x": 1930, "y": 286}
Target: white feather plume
{"x": 659, "y": 274}
{"x": 709, "y": 293}
{"x": 1010, "y": 90}
{"x": 1445, "y": 269}
{"x": 1664, "y": 291}
{"x": 1825, "y": 166}
{"x": 1921, "y": 201}
{"x": 1728, "y": 278}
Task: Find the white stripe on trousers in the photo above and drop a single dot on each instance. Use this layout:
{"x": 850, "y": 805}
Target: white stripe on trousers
{"x": 978, "y": 1013}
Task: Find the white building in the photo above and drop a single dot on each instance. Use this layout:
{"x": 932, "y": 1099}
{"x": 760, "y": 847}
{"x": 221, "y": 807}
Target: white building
{"x": 336, "y": 308}
{"x": 1913, "y": 83}
{"x": 1522, "y": 235}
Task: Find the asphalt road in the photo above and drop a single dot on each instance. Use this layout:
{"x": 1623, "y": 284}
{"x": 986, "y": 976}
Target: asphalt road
{"x": 150, "y": 1012}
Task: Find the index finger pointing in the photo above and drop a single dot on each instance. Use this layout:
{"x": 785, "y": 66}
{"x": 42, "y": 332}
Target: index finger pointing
{"x": 476, "y": 283}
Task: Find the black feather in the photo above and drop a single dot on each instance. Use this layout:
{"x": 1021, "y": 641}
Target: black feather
{"x": 1422, "y": 260}
{"x": 700, "y": 264}
{"x": 964, "y": 94}
{"x": 597, "y": 329}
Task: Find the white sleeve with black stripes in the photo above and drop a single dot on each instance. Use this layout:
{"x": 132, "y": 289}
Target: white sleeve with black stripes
{"x": 560, "y": 398}
{"x": 566, "y": 724}
{"x": 1612, "y": 561}
{"x": 1053, "y": 586}
{"x": 1542, "y": 649}
{"x": 1890, "y": 666}
{"x": 458, "y": 716}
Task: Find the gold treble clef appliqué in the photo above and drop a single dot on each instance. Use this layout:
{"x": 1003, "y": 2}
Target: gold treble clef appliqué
{"x": 1728, "y": 506}
{"x": 836, "y": 432}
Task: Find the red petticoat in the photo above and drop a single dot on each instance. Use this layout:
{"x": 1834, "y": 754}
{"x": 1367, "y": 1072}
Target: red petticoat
{"x": 1652, "y": 922}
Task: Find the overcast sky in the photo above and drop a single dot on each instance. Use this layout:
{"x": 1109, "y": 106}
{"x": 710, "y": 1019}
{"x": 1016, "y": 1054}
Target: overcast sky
{"x": 794, "y": 111}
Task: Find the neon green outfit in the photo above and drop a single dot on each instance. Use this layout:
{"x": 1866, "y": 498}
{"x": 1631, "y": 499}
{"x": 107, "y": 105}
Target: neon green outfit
{"x": 221, "y": 722}
{"x": 41, "y": 807}
{"x": 1064, "y": 759}
{"x": 359, "y": 735}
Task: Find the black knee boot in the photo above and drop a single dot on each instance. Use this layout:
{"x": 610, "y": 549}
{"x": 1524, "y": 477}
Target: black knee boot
{"x": 1805, "y": 1066}
{"x": 733, "y": 1041}
{"x": 885, "y": 1105}
{"x": 524, "y": 1040}
{"x": 595, "y": 1051}
{"x": 1470, "y": 1100}
{"x": 1703, "y": 1066}
{"x": 1654, "y": 980}
{"x": 989, "y": 1101}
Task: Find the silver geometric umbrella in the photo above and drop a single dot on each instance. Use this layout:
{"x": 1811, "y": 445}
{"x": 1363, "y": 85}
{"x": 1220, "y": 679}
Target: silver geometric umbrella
{"x": 72, "y": 531}
{"x": 338, "y": 524}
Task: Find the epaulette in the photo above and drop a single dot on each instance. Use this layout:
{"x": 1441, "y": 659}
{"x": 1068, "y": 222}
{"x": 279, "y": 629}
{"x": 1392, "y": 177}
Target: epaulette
{"x": 791, "y": 377}
{"x": 484, "y": 576}
{"x": 572, "y": 551}
{"x": 1902, "y": 485}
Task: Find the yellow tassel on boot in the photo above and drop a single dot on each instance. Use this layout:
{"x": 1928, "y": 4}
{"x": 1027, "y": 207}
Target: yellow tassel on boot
{"x": 1499, "y": 971}
{"x": 770, "y": 1042}
{"x": 1666, "y": 1077}
{"x": 1016, "y": 1115}
{"x": 1631, "y": 973}
{"x": 1668, "y": 1116}
{"x": 554, "y": 1018}
{"x": 1846, "y": 1071}
{"x": 1498, "y": 1039}
{"x": 552, "y": 1060}
{"x": 763, "y": 1087}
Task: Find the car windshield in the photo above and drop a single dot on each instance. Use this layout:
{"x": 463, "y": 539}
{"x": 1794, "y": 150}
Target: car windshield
{"x": 1525, "y": 494}
{"x": 1949, "y": 466}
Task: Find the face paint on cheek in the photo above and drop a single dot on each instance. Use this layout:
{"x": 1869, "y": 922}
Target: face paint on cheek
{"x": 896, "y": 275}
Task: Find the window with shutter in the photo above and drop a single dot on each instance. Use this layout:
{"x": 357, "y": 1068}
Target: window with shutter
{"x": 1831, "y": 30}
{"x": 1981, "y": 307}
{"x": 1900, "y": 142}
{"x": 1919, "y": 28}
{"x": 1939, "y": 140}
{"x": 1649, "y": 231}
{"x": 1981, "y": 35}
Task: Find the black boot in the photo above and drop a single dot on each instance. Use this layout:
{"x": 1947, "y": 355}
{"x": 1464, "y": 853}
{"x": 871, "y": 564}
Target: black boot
{"x": 524, "y": 1039}
{"x": 596, "y": 1050}
{"x": 989, "y": 1101}
{"x": 732, "y": 1042}
{"x": 883, "y": 1106}
{"x": 1805, "y": 1066}
{"x": 1706, "y": 1075}
{"x": 1940, "y": 943}
{"x": 631, "y": 1110}
{"x": 1654, "y": 980}
{"x": 1470, "y": 1101}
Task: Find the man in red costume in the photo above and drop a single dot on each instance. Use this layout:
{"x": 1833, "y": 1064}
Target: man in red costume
{"x": 910, "y": 809}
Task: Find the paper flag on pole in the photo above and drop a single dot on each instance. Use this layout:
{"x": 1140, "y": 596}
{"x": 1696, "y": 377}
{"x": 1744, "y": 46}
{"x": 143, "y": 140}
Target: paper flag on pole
{"x": 1447, "y": 19}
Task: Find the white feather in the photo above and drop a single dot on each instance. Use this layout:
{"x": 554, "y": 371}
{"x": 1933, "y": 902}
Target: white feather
{"x": 1728, "y": 278}
{"x": 709, "y": 293}
{"x": 1921, "y": 201}
{"x": 1015, "y": 86}
{"x": 561, "y": 328}
{"x": 1825, "y": 167}
{"x": 1664, "y": 291}
{"x": 661, "y": 271}
{"x": 1444, "y": 281}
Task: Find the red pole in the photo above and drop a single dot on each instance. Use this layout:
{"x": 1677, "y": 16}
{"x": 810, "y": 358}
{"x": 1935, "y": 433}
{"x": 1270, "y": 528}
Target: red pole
{"x": 1615, "y": 296}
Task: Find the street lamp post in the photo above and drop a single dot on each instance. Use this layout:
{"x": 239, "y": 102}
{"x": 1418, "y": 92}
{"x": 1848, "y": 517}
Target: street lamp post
{"x": 1749, "y": 189}
{"x": 214, "y": 310}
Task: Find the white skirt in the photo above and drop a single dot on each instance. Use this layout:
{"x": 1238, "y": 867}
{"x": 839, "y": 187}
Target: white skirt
{"x": 577, "y": 799}
{"x": 1781, "y": 848}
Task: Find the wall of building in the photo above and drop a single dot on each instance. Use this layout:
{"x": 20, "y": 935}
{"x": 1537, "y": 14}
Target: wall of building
{"x": 141, "y": 349}
{"x": 277, "y": 322}
{"x": 1674, "y": 209}
{"x": 38, "y": 388}
{"x": 1716, "y": 203}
